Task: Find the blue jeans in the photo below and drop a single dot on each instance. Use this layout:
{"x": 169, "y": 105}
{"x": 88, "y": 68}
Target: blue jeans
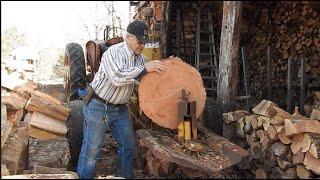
{"x": 94, "y": 128}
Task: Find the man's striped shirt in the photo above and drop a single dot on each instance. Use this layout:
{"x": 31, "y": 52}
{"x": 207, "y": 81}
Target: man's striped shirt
{"x": 115, "y": 79}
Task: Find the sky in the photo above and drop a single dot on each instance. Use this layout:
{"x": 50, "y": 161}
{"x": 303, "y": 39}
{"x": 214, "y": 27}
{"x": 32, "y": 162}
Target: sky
{"x": 56, "y": 23}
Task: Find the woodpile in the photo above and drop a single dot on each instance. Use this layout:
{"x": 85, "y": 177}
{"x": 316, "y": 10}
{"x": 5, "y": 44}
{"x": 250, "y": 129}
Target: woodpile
{"x": 29, "y": 115}
{"x": 291, "y": 29}
{"x": 281, "y": 145}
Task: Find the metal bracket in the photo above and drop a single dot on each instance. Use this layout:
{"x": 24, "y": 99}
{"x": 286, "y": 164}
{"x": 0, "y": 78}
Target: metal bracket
{"x": 187, "y": 112}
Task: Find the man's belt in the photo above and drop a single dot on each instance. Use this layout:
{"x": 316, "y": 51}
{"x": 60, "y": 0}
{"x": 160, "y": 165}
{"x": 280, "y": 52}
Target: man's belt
{"x": 95, "y": 96}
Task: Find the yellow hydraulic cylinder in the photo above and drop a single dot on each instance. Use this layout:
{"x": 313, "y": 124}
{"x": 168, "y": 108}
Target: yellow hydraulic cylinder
{"x": 187, "y": 131}
{"x": 181, "y": 132}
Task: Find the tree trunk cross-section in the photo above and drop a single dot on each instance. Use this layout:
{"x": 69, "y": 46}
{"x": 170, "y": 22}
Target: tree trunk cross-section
{"x": 159, "y": 94}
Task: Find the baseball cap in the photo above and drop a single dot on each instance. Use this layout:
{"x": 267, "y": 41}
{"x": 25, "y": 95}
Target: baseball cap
{"x": 139, "y": 29}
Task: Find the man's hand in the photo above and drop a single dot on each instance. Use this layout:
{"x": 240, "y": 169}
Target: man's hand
{"x": 155, "y": 65}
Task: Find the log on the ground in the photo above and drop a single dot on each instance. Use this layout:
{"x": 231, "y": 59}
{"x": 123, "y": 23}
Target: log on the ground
{"x": 6, "y": 125}
{"x": 42, "y": 134}
{"x": 159, "y": 93}
{"x": 37, "y": 103}
{"x": 14, "y": 150}
{"x": 47, "y": 123}
{"x": 41, "y": 176}
{"x": 50, "y": 153}
{"x": 227, "y": 154}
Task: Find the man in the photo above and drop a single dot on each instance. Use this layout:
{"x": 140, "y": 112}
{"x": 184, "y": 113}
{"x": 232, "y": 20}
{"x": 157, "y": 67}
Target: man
{"x": 120, "y": 69}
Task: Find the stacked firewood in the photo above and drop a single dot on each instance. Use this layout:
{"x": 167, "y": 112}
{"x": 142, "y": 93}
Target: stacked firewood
{"x": 33, "y": 129}
{"x": 291, "y": 29}
{"x": 281, "y": 145}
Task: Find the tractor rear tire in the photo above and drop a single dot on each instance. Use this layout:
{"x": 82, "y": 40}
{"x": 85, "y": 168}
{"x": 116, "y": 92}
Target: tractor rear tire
{"x": 75, "y": 131}
{"x": 212, "y": 116}
{"x": 75, "y": 76}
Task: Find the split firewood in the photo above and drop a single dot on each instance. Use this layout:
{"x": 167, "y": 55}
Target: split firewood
{"x": 296, "y": 144}
{"x": 14, "y": 150}
{"x": 272, "y": 133}
{"x": 301, "y": 126}
{"x": 284, "y": 138}
{"x": 314, "y": 141}
{"x": 239, "y": 127}
{"x": 262, "y": 120}
{"x": 266, "y": 125}
{"x": 39, "y": 104}
{"x": 290, "y": 173}
{"x": 261, "y": 174}
{"x": 4, "y": 170}
{"x": 269, "y": 109}
{"x": 315, "y": 114}
{"x": 307, "y": 139}
{"x": 279, "y": 128}
{"x": 42, "y": 134}
{"x": 298, "y": 157}
{"x": 303, "y": 172}
{"x": 228, "y": 117}
{"x": 312, "y": 163}
{"x": 256, "y": 151}
{"x": 283, "y": 164}
{"x": 279, "y": 149}
{"x": 253, "y": 120}
{"x": 14, "y": 101}
{"x": 277, "y": 120}
{"x": 15, "y": 116}
{"x": 47, "y": 123}
{"x": 6, "y": 126}
{"x": 24, "y": 91}
{"x": 48, "y": 97}
{"x": 265, "y": 143}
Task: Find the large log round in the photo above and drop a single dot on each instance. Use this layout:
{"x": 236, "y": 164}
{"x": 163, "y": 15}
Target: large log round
{"x": 159, "y": 94}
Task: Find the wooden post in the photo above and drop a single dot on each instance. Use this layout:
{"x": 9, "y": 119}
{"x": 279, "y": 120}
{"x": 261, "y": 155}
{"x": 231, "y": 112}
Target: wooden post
{"x": 229, "y": 46}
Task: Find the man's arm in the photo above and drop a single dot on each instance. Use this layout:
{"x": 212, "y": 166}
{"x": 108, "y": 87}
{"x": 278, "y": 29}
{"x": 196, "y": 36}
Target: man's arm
{"x": 113, "y": 65}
